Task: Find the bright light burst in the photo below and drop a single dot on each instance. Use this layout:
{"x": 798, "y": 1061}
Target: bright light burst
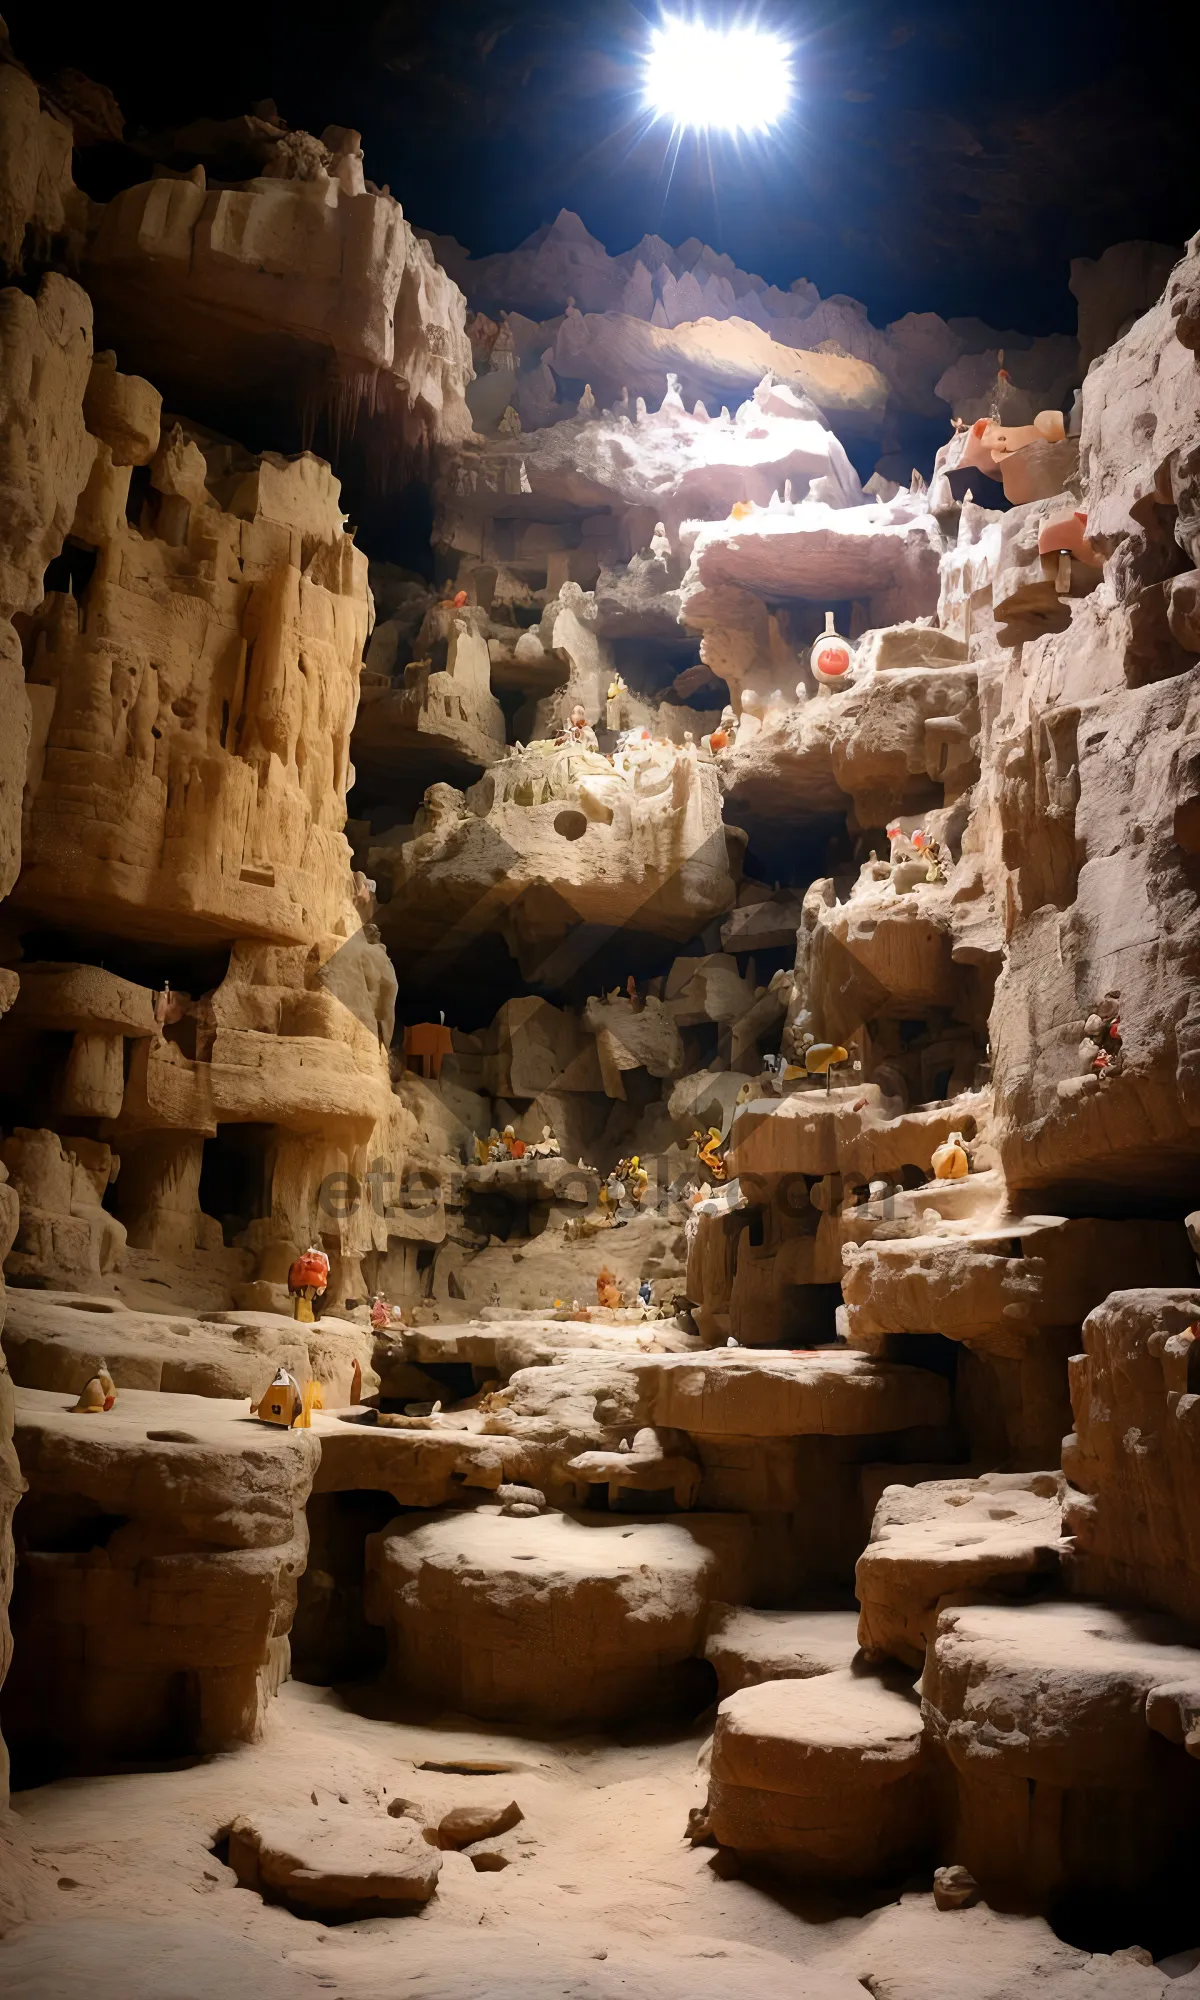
{"x": 735, "y": 79}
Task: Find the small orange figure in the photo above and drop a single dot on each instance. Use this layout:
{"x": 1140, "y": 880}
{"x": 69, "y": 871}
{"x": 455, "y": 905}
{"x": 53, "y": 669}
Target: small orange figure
{"x": 307, "y": 1279}
{"x": 426, "y": 1046}
{"x": 707, "y": 1146}
{"x": 282, "y": 1403}
{"x": 1067, "y": 534}
{"x": 607, "y": 1290}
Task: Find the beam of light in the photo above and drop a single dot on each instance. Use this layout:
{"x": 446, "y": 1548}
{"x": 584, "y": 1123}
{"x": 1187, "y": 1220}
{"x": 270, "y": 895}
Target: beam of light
{"x": 736, "y": 79}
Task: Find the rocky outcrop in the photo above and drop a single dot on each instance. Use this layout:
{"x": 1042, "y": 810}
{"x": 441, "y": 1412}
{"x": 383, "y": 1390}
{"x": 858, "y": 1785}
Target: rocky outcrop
{"x": 1096, "y": 728}
{"x": 1130, "y": 1456}
{"x": 45, "y": 461}
{"x": 193, "y": 767}
{"x": 158, "y": 1577}
{"x": 951, "y": 1536}
{"x": 12, "y": 1484}
{"x": 566, "y": 306}
{"x": 553, "y": 839}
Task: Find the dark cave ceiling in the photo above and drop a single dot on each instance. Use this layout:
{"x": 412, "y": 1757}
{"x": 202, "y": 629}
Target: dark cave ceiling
{"x": 940, "y": 157}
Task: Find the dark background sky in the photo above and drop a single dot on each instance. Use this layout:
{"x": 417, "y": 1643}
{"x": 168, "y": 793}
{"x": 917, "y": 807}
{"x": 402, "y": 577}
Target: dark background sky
{"x": 939, "y": 157}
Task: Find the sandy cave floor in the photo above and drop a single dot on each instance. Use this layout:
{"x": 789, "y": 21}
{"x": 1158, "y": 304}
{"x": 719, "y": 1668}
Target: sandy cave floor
{"x": 603, "y": 1897}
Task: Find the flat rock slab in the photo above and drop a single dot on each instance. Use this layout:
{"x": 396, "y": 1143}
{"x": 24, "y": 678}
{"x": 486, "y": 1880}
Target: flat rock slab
{"x": 773, "y": 1392}
{"x": 1064, "y": 1694}
{"x": 340, "y": 1862}
{"x": 949, "y": 1535}
{"x": 54, "y": 1340}
{"x": 746, "y": 1647}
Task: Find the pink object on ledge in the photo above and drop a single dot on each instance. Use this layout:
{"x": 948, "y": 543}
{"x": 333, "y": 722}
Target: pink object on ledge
{"x": 1066, "y": 534}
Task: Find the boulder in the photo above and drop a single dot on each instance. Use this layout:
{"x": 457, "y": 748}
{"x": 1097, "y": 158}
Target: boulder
{"x": 334, "y": 1865}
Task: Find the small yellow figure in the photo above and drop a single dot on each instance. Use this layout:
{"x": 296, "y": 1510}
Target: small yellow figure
{"x": 282, "y": 1403}
{"x": 617, "y": 687}
{"x": 708, "y": 1150}
{"x": 97, "y": 1394}
{"x": 740, "y": 510}
{"x": 311, "y": 1400}
{"x": 950, "y": 1161}
{"x": 822, "y": 1058}
{"x": 637, "y": 1180}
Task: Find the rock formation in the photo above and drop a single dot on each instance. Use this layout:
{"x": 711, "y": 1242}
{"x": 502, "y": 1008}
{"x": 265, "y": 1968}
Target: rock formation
{"x": 598, "y": 1122}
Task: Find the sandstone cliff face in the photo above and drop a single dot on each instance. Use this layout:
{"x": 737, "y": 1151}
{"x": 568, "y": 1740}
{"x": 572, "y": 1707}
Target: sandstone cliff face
{"x": 303, "y": 283}
{"x": 45, "y": 360}
{"x": 12, "y": 1484}
{"x": 1091, "y": 729}
{"x": 299, "y": 292}
{"x": 203, "y": 684}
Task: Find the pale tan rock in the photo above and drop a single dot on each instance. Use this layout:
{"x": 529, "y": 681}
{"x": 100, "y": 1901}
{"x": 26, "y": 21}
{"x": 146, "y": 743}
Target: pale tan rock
{"x": 40, "y": 207}
{"x": 1043, "y": 1713}
{"x": 954, "y": 1888}
{"x": 746, "y": 1647}
{"x": 189, "y": 1544}
{"x": 45, "y": 363}
{"x": 1050, "y": 1268}
{"x": 45, "y": 451}
{"x": 463, "y": 1825}
{"x": 285, "y": 281}
{"x": 553, "y": 838}
{"x": 819, "y": 1779}
{"x": 1119, "y": 663}
{"x": 608, "y": 1615}
{"x": 331, "y": 1863}
{"x": 14, "y": 749}
{"x": 948, "y": 1536}
{"x": 197, "y": 765}
{"x": 1129, "y": 1459}
{"x": 444, "y": 705}
{"x": 712, "y": 357}
{"x": 12, "y": 1484}
{"x": 123, "y": 411}
{"x": 886, "y": 555}
{"x": 63, "y": 1231}
{"x": 55, "y": 1340}
{"x": 736, "y": 1394}
{"x": 538, "y": 1047}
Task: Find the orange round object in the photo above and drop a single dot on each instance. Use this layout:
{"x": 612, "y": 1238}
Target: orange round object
{"x": 718, "y": 740}
{"x": 310, "y": 1271}
{"x": 833, "y": 660}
